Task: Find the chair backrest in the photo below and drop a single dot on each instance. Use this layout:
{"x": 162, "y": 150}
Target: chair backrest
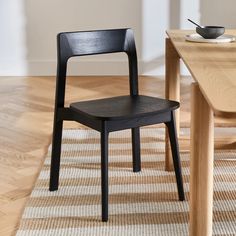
{"x": 95, "y": 42}
{"x": 81, "y": 43}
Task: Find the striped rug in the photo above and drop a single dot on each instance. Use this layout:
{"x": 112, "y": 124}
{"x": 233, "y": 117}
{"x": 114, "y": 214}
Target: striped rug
{"x": 139, "y": 203}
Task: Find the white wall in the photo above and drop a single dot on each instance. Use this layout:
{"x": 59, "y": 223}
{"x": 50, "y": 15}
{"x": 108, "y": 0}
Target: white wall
{"x": 29, "y": 28}
{"x": 12, "y": 38}
{"x": 218, "y": 12}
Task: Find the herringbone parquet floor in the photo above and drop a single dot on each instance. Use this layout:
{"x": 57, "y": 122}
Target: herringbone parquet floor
{"x": 26, "y": 113}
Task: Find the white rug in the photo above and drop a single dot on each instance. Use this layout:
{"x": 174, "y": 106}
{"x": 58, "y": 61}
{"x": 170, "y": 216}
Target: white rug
{"x": 144, "y": 203}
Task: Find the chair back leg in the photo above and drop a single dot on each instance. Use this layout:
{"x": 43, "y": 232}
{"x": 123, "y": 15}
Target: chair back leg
{"x": 55, "y": 155}
{"x": 104, "y": 171}
{"x": 175, "y": 155}
{"x": 136, "y": 149}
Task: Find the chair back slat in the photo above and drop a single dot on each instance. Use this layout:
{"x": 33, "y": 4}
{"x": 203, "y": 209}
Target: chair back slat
{"x": 94, "y": 42}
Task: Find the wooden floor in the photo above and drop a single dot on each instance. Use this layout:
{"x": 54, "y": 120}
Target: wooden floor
{"x": 26, "y": 112}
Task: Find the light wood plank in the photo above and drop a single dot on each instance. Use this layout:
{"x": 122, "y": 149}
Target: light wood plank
{"x": 213, "y": 67}
{"x": 172, "y": 91}
{"x": 201, "y": 165}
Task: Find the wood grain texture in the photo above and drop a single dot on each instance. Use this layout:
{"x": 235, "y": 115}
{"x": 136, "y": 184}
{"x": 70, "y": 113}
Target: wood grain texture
{"x": 172, "y": 92}
{"x": 124, "y": 107}
{"x": 26, "y": 114}
{"x": 213, "y": 66}
{"x": 201, "y": 165}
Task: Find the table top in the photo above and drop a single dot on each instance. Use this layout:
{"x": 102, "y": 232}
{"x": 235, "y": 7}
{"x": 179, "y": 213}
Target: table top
{"x": 213, "y": 66}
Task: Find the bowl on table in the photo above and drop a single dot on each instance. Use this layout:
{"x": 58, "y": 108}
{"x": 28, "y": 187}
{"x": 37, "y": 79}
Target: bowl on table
{"x": 210, "y": 32}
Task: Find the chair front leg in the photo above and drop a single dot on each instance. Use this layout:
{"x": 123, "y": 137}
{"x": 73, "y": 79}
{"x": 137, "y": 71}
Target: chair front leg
{"x": 55, "y": 155}
{"x": 136, "y": 149}
{"x": 175, "y": 155}
{"x": 104, "y": 171}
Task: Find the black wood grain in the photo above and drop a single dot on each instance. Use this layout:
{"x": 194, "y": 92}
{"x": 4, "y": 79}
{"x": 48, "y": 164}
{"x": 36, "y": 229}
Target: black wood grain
{"x": 110, "y": 114}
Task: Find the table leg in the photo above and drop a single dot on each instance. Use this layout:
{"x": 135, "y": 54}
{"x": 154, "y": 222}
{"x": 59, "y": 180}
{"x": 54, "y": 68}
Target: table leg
{"x": 172, "y": 91}
{"x": 201, "y": 164}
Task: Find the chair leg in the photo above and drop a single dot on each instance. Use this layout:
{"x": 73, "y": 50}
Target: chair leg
{"x": 175, "y": 155}
{"x": 55, "y": 156}
{"x": 136, "y": 149}
{"x": 104, "y": 170}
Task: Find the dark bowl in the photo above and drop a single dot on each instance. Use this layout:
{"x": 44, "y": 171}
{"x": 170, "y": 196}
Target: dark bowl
{"x": 210, "y": 32}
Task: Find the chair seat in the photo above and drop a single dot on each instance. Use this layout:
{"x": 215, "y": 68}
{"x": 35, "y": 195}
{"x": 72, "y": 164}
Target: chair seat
{"x": 123, "y": 107}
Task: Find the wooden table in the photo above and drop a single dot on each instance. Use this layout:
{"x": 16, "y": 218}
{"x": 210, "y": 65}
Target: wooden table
{"x": 213, "y": 67}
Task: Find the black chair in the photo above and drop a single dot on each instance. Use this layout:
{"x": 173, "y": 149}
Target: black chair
{"x": 110, "y": 114}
